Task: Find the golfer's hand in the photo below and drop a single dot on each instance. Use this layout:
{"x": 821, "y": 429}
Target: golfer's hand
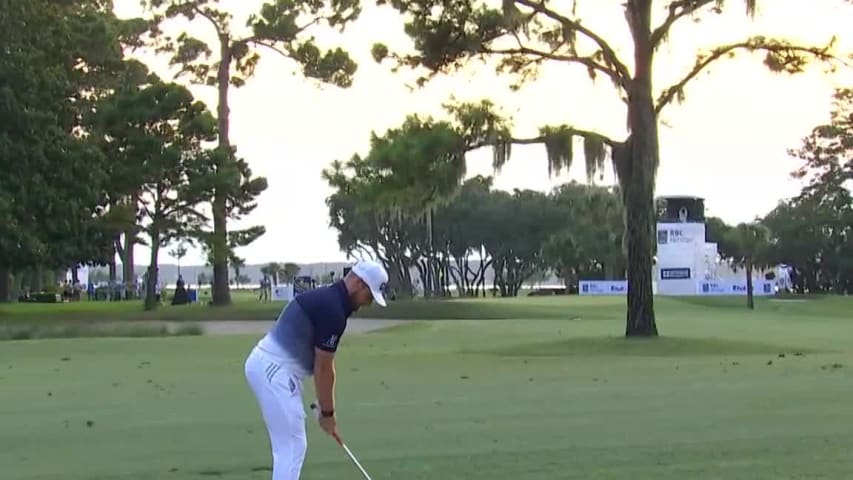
{"x": 329, "y": 425}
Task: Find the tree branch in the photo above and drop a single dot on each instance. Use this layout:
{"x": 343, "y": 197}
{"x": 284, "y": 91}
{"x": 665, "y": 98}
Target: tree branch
{"x": 678, "y": 9}
{"x": 210, "y": 18}
{"x": 790, "y": 61}
{"x": 572, "y": 131}
{"x": 589, "y": 62}
{"x": 263, "y": 43}
{"x": 569, "y": 24}
{"x": 541, "y": 139}
{"x": 315, "y": 21}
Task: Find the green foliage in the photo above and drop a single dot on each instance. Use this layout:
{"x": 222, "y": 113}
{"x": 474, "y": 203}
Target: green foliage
{"x": 282, "y": 26}
{"x": 719, "y": 232}
{"x": 749, "y": 244}
{"x": 749, "y": 248}
{"x": 155, "y": 136}
{"x": 589, "y": 243}
{"x": 58, "y": 60}
{"x": 813, "y": 232}
{"x": 521, "y": 36}
{"x": 827, "y": 153}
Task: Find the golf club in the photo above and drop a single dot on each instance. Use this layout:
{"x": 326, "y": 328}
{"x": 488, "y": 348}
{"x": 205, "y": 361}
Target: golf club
{"x": 346, "y": 449}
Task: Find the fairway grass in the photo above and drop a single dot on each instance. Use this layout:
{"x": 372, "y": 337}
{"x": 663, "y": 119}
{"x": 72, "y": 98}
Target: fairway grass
{"x": 724, "y": 394}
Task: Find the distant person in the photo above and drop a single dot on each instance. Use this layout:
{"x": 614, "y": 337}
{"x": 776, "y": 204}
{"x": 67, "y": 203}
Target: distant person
{"x": 302, "y": 343}
{"x": 266, "y": 286}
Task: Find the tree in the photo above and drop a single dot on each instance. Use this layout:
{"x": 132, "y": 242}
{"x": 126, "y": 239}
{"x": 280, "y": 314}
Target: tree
{"x": 238, "y": 264}
{"x": 157, "y": 133}
{"x": 813, "y": 232}
{"x": 271, "y": 270}
{"x": 289, "y": 271}
{"x": 281, "y": 26}
{"x": 515, "y": 242}
{"x": 589, "y": 240}
{"x": 467, "y": 222}
{"x": 749, "y": 246}
{"x": 179, "y": 252}
{"x": 827, "y": 153}
{"x": 58, "y": 58}
{"x": 525, "y": 34}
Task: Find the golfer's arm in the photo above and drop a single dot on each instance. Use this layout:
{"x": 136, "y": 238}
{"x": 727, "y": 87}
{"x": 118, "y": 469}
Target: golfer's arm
{"x": 324, "y": 379}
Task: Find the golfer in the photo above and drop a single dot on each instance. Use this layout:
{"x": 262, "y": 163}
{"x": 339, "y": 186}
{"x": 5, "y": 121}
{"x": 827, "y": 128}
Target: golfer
{"x": 302, "y": 343}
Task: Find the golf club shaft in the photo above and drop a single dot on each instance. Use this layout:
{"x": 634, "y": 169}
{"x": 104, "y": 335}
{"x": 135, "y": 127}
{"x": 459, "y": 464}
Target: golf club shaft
{"x": 346, "y": 449}
{"x": 352, "y": 457}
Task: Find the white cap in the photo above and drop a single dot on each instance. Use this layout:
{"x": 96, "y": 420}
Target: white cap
{"x": 375, "y": 276}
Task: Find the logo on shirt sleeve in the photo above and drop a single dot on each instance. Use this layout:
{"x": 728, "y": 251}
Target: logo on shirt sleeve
{"x": 331, "y": 342}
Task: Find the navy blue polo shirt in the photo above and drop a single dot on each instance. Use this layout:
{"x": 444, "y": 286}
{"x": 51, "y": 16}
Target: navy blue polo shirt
{"x": 314, "y": 319}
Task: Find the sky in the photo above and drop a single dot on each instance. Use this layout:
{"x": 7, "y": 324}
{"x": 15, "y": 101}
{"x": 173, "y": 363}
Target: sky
{"x": 728, "y": 142}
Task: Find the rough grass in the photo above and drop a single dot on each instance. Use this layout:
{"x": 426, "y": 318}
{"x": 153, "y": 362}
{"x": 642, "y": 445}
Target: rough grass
{"x": 75, "y": 330}
{"x": 246, "y": 307}
{"x": 723, "y": 395}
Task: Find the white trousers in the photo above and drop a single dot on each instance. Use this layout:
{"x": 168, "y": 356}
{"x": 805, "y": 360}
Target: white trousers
{"x": 279, "y": 396}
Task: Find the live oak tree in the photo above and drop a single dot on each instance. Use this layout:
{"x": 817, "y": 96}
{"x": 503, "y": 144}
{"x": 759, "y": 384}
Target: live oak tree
{"x": 522, "y": 221}
{"x": 522, "y": 35}
{"x": 589, "y": 241}
{"x": 282, "y": 26}
{"x": 157, "y": 134}
{"x": 813, "y": 232}
{"x": 410, "y": 172}
{"x": 466, "y": 219}
{"x": 56, "y": 59}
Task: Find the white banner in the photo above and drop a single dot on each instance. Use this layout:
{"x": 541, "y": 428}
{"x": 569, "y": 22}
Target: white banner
{"x": 737, "y": 287}
{"x": 592, "y": 287}
{"x": 679, "y": 235}
{"x": 283, "y": 292}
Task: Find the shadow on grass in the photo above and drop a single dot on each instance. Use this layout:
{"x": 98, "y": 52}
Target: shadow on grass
{"x": 646, "y": 347}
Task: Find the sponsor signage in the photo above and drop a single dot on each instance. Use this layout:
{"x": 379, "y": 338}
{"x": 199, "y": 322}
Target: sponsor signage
{"x": 760, "y": 288}
{"x": 675, "y": 273}
{"x": 619, "y": 287}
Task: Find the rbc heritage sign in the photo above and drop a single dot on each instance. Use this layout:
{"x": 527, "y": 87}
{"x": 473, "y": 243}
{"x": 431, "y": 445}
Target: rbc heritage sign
{"x": 759, "y": 288}
{"x": 588, "y": 287}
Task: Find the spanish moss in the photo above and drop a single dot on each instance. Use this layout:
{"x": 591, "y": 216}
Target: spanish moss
{"x": 559, "y": 147}
{"x": 594, "y": 153}
{"x": 501, "y": 150}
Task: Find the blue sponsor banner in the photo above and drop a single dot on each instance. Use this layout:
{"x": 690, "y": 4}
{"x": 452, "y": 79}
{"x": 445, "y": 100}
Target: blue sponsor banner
{"x": 728, "y": 287}
{"x": 591, "y": 287}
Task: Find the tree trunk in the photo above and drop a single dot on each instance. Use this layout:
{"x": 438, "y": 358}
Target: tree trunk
{"x": 221, "y": 291}
{"x": 750, "y": 299}
{"x": 460, "y": 279}
{"x": 5, "y": 284}
{"x": 128, "y": 273}
{"x": 637, "y": 163}
{"x": 151, "y": 301}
